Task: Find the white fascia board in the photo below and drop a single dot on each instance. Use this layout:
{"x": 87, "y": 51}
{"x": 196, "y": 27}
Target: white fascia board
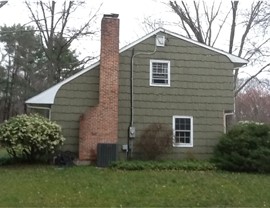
{"x": 45, "y": 97}
{"x": 234, "y": 59}
{"x": 130, "y": 45}
{"x": 48, "y": 96}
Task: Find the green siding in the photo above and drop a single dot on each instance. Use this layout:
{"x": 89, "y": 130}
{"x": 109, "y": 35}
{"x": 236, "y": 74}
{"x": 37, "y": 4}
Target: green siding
{"x": 71, "y": 101}
{"x": 201, "y": 86}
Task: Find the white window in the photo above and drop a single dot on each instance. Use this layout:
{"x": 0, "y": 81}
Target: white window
{"x": 182, "y": 131}
{"x": 159, "y": 73}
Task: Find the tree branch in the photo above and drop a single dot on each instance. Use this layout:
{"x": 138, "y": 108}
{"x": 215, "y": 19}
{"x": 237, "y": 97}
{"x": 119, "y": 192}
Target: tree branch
{"x": 250, "y": 78}
{"x": 232, "y": 34}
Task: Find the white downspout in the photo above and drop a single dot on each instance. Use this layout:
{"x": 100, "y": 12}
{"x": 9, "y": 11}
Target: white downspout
{"x": 225, "y": 115}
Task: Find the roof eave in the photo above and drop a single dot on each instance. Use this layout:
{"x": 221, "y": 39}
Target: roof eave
{"x": 233, "y": 58}
{"x": 239, "y": 64}
{"x": 48, "y": 96}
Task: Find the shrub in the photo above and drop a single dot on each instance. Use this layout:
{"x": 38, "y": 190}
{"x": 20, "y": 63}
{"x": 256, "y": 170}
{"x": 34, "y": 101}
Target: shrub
{"x": 155, "y": 140}
{"x": 30, "y": 137}
{"x": 192, "y": 165}
{"x": 246, "y": 147}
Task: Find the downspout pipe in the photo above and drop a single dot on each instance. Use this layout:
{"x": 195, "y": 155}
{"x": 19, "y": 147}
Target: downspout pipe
{"x": 225, "y": 115}
{"x": 230, "y": 113}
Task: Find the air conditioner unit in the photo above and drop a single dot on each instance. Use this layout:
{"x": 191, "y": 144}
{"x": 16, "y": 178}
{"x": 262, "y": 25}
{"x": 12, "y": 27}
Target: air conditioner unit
{"x": 106, "y": 153}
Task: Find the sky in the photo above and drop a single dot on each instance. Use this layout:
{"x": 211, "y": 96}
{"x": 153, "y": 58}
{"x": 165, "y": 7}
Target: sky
{"x": 131, "y": 15}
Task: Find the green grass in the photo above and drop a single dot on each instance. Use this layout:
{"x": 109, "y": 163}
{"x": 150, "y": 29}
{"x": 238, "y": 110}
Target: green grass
{"x": 47, "y": 186}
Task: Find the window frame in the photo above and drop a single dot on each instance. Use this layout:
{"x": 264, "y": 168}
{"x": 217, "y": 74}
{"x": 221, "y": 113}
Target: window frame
{"x": 190, "y": 144}
{"x": 151, "y": 73}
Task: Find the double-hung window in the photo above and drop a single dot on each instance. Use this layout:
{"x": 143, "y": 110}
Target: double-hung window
{"x": 182, "y": 131}
{"x": 159, "y": 73}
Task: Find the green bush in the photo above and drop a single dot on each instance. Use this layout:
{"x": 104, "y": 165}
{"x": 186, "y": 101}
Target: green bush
{"x": 164, "y": 165}
{"x": 246, "y": 147}
{"x": 155, "y": 140}
{"x": 30, "y": 137}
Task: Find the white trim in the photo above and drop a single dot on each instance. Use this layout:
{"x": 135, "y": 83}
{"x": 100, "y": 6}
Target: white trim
{"x": 151, "y": 73}
{"x": 225, "y": 115}
{"x": 191, "y": 132}
{"x": 42, "y": 108}
{"x": 234, "y": 59}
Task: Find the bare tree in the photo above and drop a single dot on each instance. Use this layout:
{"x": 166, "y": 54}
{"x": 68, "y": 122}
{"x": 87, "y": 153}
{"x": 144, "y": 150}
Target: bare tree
{"x": 2, "y": 3}
{"x": 149, "y": 24}
{"x": 58, "y": 35}
{"x": 253, "y": 102}
{"x": 194, "y": 25}
{"x": 199, "y": 25}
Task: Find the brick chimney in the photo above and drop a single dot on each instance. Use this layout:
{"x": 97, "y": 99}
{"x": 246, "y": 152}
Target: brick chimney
{"x": 99, "y": 124}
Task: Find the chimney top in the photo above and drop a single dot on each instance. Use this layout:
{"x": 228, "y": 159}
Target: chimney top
{"x": 112, "y": 15}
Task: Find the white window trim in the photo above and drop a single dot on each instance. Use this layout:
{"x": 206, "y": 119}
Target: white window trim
{"x": 191, "y": 132}
{"x": 169, "y": 73}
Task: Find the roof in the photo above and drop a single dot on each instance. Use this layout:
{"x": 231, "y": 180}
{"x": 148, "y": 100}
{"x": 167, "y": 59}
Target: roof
{"x": 48, "y": 96}
{"x": 234, "y": 59}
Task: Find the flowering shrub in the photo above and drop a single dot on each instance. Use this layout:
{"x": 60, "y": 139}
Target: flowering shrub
{"x": 30, "y": 137}
{"x": 246, "y": 147}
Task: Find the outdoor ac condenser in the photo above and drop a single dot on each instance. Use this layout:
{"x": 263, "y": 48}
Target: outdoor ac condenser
{"x": 106, "y": 153}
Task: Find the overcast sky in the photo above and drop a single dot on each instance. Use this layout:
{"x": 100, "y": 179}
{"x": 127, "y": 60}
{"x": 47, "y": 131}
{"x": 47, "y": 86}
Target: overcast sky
{"x": 131, "y": 14}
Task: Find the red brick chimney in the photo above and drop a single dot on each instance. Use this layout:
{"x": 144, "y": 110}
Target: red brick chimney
{"x": 100, "y": 124}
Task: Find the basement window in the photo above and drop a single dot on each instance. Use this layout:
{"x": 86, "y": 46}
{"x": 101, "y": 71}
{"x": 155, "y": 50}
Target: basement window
{"x": 182, "y": 131}
{"x": 160, "y": 73}
{"x": 41, "y": 110}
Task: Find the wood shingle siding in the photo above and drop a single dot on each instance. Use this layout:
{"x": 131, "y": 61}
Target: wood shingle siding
{"x": 71, "y": 101}
{"x": 201, "y": 86}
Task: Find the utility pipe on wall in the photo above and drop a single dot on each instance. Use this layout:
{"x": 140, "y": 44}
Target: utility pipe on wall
{"x": 132, "y": 78}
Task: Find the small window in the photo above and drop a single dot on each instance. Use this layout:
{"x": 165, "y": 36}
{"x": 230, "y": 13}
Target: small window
{"x": 159, "y": 73}
{"x": 182, "y": 131}
{"x": 43, "y": 111}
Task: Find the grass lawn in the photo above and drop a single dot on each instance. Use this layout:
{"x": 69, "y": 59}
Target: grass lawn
{"x": 48, "y": 186}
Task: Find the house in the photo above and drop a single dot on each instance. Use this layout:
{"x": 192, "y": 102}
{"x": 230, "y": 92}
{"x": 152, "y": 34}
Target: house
{"x": 162, "y": 77}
